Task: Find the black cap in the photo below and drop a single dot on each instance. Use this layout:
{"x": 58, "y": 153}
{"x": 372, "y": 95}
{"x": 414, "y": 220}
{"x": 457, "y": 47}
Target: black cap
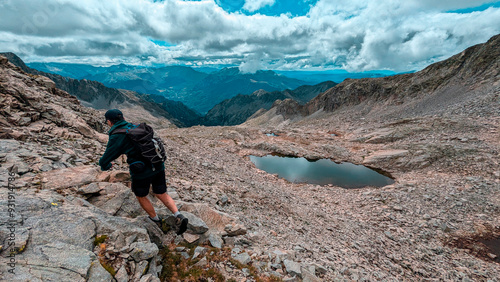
{"x": 113, "y": 115}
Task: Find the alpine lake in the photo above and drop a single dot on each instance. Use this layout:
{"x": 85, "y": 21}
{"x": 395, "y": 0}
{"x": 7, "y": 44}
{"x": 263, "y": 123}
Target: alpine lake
{"x": 321, "y": 172}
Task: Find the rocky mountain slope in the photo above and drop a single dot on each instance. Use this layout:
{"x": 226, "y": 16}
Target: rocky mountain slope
{"x": 69, "y": 221}
{"x": 237, "y": 109}
{"x": 94, "y": 94}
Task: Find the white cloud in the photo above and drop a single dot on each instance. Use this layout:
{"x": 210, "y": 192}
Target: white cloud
{"x": 254, "y": 5}
{"x": 352, "y": 34}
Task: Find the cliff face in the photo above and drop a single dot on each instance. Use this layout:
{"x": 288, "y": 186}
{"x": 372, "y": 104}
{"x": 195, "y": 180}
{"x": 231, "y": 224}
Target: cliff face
{"x": 238, "y": 109}
{"x": 34, "y": 110}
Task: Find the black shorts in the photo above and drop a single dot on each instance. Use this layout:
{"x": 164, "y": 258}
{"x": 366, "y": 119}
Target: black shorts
{"x": 140, "y": 187}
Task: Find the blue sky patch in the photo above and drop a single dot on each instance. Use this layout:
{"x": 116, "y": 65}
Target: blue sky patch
{"x": 293, "y": 8}
{"x": 476, "y": 9}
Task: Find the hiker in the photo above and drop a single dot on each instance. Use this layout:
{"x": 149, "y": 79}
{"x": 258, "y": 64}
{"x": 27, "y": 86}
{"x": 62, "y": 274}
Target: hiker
{"x": 144, "y": 173}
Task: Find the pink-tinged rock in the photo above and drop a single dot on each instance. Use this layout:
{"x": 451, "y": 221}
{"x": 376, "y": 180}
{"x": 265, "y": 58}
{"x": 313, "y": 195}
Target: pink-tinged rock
{"x": 384, "y": 155}
{"x": 69, "y": 177}
{"x": 215, "y": 220}
{"x": 114, "y": 176}
{"x": 190, "y": 238}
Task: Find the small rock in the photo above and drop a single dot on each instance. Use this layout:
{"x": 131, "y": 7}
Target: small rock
{"x": 89, "y": 189}
{"x": 397, "y": 208}
{"x": 293, "y": 268}
{"x": 215, "y": 240}
{"x": 140, "y": 270}
{"x": 320, "y": 270}
{"x": 243, "y": 258}
{"x": 235, "y": 230}
{"x": 389, "y": 235}
{"x": 230, "y": 241}
{"x": 98, "y": 273}
{"x": 121, "y": 275}
{"x": 199, "y": 251}
{"x": 149, "y": 278}
{"x": 202, "y": 263}
{"x": 190, "y": 238}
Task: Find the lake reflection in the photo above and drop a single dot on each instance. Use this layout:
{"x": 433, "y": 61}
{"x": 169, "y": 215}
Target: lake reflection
{"x": 321, "y": 172}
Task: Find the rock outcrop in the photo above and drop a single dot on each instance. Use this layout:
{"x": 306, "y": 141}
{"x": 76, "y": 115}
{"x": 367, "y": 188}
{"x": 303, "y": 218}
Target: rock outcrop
{"x": 94, "y": 94}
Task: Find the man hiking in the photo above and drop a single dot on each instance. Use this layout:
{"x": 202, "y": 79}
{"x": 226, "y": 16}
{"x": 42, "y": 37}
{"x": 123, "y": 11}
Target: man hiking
{"x": 143, "y": 172}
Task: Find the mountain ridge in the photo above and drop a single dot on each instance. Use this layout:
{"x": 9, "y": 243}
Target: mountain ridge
{"x": 442, "y": 84}
{"x": 236, "y": 110}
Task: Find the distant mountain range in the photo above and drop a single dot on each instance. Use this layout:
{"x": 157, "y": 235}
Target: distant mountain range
{"x": 197, "y": 90}
{"x": 220, "y": 84}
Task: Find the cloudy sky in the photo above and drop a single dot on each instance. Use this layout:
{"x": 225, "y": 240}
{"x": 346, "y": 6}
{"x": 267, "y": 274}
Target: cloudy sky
{"x": 356, "y": 35}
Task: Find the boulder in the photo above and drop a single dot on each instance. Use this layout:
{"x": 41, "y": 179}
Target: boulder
{"x": 39, "y": 273}
{"x": 57, "y": 225}
{"x": 143, "y": 251}
{"x": 61, "y": 255}
{"x": 215, "y": 220}
{"x": 195, "y": 225}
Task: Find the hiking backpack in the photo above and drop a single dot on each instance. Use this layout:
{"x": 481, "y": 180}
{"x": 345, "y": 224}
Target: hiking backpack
{"x": 142, "y": 135}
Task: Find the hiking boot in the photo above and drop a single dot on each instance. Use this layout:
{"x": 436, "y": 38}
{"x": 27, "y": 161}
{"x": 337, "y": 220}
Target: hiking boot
{"x": 181, "y": 223}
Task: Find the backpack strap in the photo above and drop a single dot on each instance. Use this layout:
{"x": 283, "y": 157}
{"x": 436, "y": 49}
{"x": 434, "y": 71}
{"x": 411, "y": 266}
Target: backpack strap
{"x": 118, "y": 131}
{"x": 122, "y": 130}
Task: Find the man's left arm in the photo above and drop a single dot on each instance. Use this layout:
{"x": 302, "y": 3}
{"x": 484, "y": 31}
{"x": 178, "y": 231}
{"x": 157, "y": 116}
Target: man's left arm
{"x": 113, "y": 151}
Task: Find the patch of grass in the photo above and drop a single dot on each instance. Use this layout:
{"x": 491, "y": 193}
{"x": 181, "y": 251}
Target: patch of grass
{"x": 100, "y": 239}
{"x": 108, "y": 268}
{"x": 175, "y": 268}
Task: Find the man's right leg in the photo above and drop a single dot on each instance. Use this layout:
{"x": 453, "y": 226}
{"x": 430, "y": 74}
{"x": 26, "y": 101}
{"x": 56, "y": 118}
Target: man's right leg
{"x": 160, "y": 189}
{"x": 140, "y": 188}
{"x": 147, "y": 206}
